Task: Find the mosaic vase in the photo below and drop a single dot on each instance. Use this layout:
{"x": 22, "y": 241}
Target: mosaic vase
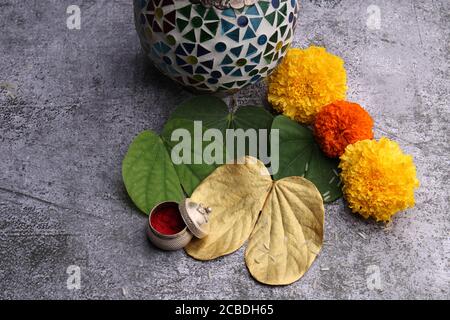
{"x": 216, "y": 45}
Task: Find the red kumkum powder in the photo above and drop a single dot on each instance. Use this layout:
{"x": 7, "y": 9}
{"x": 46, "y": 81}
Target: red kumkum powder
{"x": 167, "y": 220}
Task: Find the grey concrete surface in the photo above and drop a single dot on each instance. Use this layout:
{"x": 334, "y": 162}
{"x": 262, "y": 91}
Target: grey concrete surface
{"x": 71, "y": 101}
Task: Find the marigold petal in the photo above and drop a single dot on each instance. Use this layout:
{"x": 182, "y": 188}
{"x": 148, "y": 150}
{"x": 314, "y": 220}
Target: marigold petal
{"x": 378, "y": 178}
{"x": 339, "y": 124}
{"x": 305, "y": 81}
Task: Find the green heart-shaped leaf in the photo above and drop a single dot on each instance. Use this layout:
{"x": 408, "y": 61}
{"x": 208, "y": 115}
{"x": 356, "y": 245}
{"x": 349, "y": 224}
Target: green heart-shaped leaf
{"x": 190, "y": 174}
{"x": 213, "y": 113}
{"x": 301, "y": 156}
{"x": 251, "y": 117}
{"x": 148, "y": 173}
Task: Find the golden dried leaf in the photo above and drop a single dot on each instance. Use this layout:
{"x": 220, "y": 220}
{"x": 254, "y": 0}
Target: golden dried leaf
{"x": 289, "y": 233}
{"x": 236, "y": 194}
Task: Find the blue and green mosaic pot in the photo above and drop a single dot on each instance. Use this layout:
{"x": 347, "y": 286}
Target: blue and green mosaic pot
{"x": 216, "y": 45}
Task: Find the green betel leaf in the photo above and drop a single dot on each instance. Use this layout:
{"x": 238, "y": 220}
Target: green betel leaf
{"x": 212, "y": 113}
{"x": 188, "y": 157}
{"x": 148, "y": 173}
{"x": 252, "y": 117}
{"x": 257, "y": 118}
{"x": 300, "y": 155}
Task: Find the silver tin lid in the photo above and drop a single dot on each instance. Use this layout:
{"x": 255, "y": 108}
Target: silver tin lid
{"x": 196, "y": 217}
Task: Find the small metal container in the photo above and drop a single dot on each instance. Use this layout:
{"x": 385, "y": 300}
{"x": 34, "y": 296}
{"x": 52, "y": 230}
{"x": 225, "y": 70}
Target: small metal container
{"x": 194, "y": 215}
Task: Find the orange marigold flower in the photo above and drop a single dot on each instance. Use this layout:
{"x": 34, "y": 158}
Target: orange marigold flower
{"x": 306, "y": 81}
{"x": 339, "y": 124}
{"x": 378, "y": 178}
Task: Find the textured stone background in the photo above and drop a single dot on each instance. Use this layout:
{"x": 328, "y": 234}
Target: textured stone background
{"x": 71, "y": 102}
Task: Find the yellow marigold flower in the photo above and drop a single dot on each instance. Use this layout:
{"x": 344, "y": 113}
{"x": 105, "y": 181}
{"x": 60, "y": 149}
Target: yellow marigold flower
{"x": 378, "y": 178}
{"x": 305, "y": 81}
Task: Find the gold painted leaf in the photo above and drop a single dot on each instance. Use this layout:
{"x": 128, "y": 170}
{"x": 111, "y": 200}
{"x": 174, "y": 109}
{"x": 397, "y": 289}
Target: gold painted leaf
{"x": 289, "y": 233}
{"x": 236, "y": 194}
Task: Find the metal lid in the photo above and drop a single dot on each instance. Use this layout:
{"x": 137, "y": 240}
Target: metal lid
{"x": 196, "y": 217}
{"x": 224, "y": 4}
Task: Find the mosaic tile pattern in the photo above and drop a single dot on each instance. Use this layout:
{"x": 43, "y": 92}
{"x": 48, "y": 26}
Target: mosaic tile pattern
{"x": 208, "y": 49}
